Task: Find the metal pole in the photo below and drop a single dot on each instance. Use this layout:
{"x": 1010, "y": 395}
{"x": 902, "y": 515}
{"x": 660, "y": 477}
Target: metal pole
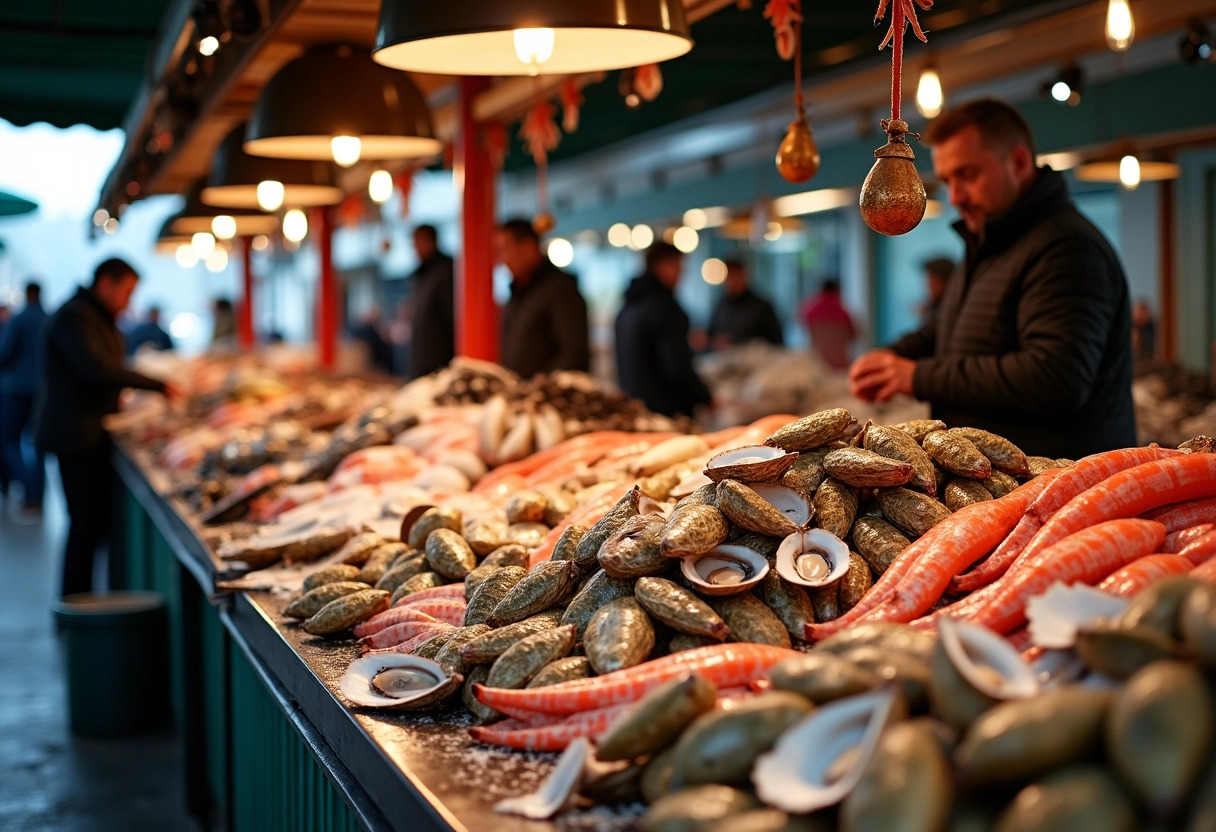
{"x": 327, "y": 294}
{"x": 244, "y": 321}
{"x": 473, "y": 175}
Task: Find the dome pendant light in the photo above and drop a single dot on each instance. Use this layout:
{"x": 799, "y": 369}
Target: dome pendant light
{"x": 239, "y": 180}
{"x": 196, "y": 217}
{"x": 529, "y": 37}
{"x": 336, "y": 103}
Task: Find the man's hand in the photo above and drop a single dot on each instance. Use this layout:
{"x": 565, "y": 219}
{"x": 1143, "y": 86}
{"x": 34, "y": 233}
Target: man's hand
{"x": 879, "y": 375}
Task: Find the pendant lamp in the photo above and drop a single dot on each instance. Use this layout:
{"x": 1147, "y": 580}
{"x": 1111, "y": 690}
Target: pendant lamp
{"x": 336, "y": 103}
{"x": 196, "y": 217}
{"x": 235, "y": 176}
{"x": 529, "y": 37}
{"x": 168, "y": 240}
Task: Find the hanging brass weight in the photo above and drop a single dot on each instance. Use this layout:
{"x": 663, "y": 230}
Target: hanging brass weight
{"x": 798, "y": 156}
{"x": 543, "y": 223}
{"x": 893, "y": 195}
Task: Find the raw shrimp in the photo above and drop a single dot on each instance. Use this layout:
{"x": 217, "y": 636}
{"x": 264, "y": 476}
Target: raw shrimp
{"x": 391, "y": 618}
{"x": 400, "y": 633}
{"x": 1201, "y": 550}
{"x": 415, "y": 642}
{"x": 550, "y": 736}
{"x": 1175, "y": 542}
{"x": 1184, "y": 515}
{"x": 450, "y": 610}
{"x": 1088, "y": 472}
{"x": 446, "y": 591}
{"x": 996, "y": 564}
{"x": 1142, "y": 572}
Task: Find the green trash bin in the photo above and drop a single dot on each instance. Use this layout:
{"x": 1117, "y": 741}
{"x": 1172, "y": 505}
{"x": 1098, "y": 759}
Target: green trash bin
{"x": 115, "y": 649}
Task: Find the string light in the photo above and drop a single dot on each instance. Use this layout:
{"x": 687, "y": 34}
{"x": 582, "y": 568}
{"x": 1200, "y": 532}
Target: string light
{"x": 641, "y": 236}
{"x": 686, "y": 239}
{"x": 713, "y": 271}
{"x": 618, "y": 235}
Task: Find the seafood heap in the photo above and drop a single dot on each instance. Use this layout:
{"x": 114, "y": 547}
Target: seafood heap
{"x": 887, "y": 727}
{"x": 1173, "y": 402}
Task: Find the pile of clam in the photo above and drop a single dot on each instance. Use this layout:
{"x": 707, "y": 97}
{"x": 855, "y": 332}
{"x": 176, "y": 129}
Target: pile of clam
{"x": 883, "y": 727}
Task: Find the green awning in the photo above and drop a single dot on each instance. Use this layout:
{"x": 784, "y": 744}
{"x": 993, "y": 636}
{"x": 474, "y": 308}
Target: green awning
{"x": 12, "y": 205}
{"x": 74, "y": 61}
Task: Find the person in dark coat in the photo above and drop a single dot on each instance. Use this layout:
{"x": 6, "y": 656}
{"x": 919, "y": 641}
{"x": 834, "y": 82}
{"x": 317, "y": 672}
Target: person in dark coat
{"x": 149, "y": 332}
{"x": 378, "y": 352}
{"x": 20, "y": 355}
{"x": 433, "y": 327}
{"x": 1033, "y": 339}
{"x": 653, "y": 356}
{"x": 82, "y": 377}
{"x": 742, "y": 315}
{"x": 544, "y": 324}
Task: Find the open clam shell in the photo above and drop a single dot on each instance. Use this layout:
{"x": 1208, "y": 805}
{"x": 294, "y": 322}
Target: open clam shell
{"x": 820, "y": 760}
{"x": 751, "y": 463}
{"x": 397, "y": 681}
{"x": 725, "y": 570}
{"x": 812, "y": 557}
{"x": 559, "y": 788}
{"x": 987, "y": 661}
{"x": 788, "y": 501}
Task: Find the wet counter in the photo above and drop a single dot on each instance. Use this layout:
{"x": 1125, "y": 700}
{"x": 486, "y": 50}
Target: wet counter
{"x": 269, "y": 745}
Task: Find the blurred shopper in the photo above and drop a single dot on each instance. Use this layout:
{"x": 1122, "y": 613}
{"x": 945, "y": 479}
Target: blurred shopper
{"x": 1144, "y": 330}
{"x": 367, "y": 333}
{"x": 1034, "y": 337}
{"x": 653, "y": 356}
{"x": 433, "y": 329}
{"x": 742, "y": 315}
{"x": 400, "y": 336}
{"x": 20, "y": 360}
{"x": 937, "y": 277}
{"x": 544, "y": 324}
{"x": 82, "y": 376}
{"x": 223, "y": 324}
{"x": 149, "y": 332}
{"x": 830, "y": 325}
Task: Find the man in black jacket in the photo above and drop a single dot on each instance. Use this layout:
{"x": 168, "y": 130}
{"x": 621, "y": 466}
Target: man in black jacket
{"x": 544, "y": 324}
{"x": 742, "y": 315}
{"x": 653, "y": 357}
{"x": 1033, "y": 339}
{"x": 82, "y": 377}
{"x": 433, "y": 327}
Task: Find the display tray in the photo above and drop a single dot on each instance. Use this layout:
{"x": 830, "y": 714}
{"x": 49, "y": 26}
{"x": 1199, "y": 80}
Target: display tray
{"x": 421, "y": 771}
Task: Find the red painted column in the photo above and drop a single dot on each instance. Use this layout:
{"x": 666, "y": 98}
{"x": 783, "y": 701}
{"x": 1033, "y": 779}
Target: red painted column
{"x": 473, "y": 173}
{"x": 244, "y": 320}
{"x": 327, "y": 291}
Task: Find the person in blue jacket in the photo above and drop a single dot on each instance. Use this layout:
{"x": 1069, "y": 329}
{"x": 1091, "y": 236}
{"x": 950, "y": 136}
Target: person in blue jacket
{"x": 20, "y": 360}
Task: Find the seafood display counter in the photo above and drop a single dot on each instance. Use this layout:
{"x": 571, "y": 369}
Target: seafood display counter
{"x": 268, "y": 744}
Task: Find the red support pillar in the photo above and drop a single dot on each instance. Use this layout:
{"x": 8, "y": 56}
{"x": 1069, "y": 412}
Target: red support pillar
{"x": 327, "y": 291}
{"x": 473, "y": 173}
{"x": 244, "y": 321}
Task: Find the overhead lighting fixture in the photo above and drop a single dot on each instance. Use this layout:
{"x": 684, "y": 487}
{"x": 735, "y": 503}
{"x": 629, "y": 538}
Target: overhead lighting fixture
{"x": 1122, "y": 171}
{"x": 224, "y": 227}
{"x": 239, "y": 180}
{"x": 202, "y": 243}
{"x": 699, "y": 219}
{"x": 185, "y": 256}
{"x": 812, "y": 202}
{"x": 208, "y": 46}
{"x": 217, "y": 260}
{"x": 641, "y": 236}
{"x": 196, "y": 216}
{"x": 168, "y": 241}
{"x": 512, "y": 37}
{"x": 380, "y": 186}
{"x": 929, "y": 95}
{"x": 261, "y": 242}
{"x": 1066, "y": 88}
{"x": 561, "y": 253}
{"x": 1060, "y": 161}
{"x": 295, "y": 225}
{"x": 774, "y": 232}
{"x": 741, "y": 228}
{"x": 337, "y": 103}
{"x": 696, "y": 218}
{"x": 618, "y": 235}
{"x": 686, "y": 239}
{"x": 713, "y": 271}
{"x": 1120, "y": 27}
{"x": 1129, "y": 172}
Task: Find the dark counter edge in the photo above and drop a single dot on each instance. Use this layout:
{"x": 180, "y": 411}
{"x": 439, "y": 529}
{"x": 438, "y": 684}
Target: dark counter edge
{"x": 375, "y": 788}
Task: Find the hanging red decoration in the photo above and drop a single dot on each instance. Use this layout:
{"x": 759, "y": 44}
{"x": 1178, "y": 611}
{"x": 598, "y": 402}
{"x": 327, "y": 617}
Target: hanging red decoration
{"x": 572, "y": 100}
{"x": 539, "y": 130}
{"x": 784, "y": 14}
{"x": 648, "y": 81}
{"x": 494, "y": 136}
{"x": 893, "y": 196}
{"x": 352, "y": 210}
{"x": 405, "y": 184}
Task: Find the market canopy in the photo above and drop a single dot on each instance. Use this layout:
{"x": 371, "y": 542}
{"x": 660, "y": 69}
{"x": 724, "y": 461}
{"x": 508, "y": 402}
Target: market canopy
{"x": 12, "y": 205}
{"x": 74, "y": 61}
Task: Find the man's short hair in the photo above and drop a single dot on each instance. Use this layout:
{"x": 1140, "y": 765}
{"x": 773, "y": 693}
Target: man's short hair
{"x": 660, "y": 252}
{"x": 940, "y": 267}
{"x": 832, "y": 284}
{"x": 113, "y": 269}
{"x": 427, "y": 231}
{"x": 520, "y": 230}
{"x": 33, "y": 290}
{"x": 1000, "y": 125}
{"x": 735, "y": 264}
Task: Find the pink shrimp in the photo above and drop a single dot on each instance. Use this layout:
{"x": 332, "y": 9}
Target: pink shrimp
{"x": 1143, "y": 572}
{"x": 1201, "y": 550}
{"x": 726, "y": 665}
{"x": 1129, "y": 493}
{"x": 450, "y": 610}
{"x": 446, "y": 591}
{"x": 1088, "y": 472}
{"x": 553, "y": 736}
{"x": 1175, "y": 542}
{"x": 996, "y": 564}
{"x": 415, "y": 642}
{"x": 391, "y": 618}
{"x": 400, "y": 633}
{"x": 1181, "y": 516}
{"x": 1087, "y": 556}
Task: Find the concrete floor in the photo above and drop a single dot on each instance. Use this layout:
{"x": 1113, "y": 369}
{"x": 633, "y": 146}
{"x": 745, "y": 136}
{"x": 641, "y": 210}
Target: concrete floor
{"x": 51, "y": 781}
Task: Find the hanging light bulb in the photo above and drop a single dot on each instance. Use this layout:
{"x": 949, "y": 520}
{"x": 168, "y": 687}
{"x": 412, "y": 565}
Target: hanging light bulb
{"x": 380, "y": 186}
{"x": 1129, "y": 172}
{"x": 686, "y": 239}
{"x": 346, "y": 149}
{"x": 533, "y": 47}
{"x": 929, "y": 96}
{"x": 223, "y": 227}
{"x": 185, "y": 256}
{"x": 295, "y": 225}
{"x": 217, "y": 260}
{"x": 202, "y": 243}
{"x": 561, "y": 252}
{"x": 261, "y": 242}
{"x": 208, "y": 46}
{"x": 618, "y": 235}
{"x": 270, "y": 195}
{"x": 641, "y": 236}
{"x": 1120, "y": 27}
